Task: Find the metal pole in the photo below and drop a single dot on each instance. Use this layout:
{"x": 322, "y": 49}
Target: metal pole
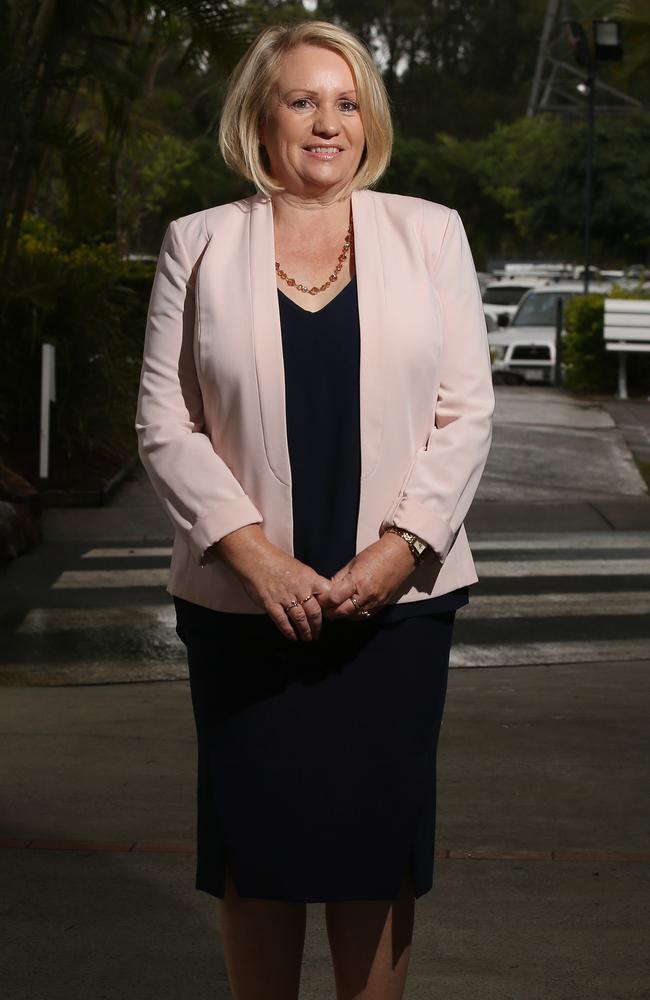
{"x": 542, "y": 52}
{"x": 48, "y": 395}
{"x": 559, "y": 324}
{"x": 622, "y": 375}
{"x": 591, "y": 98}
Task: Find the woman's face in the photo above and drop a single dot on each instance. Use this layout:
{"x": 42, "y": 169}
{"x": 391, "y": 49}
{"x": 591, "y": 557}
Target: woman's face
{"x": 313, "y": 135}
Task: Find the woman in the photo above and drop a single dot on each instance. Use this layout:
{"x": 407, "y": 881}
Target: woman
{"x": 315, "y": 415}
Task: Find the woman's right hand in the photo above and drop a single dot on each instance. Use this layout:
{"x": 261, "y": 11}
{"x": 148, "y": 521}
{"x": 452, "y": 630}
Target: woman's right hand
{"x": 273, "y": 579}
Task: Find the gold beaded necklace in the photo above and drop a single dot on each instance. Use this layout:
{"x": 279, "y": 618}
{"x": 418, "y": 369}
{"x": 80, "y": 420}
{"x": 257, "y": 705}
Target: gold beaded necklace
{"x": 343, "y": 256}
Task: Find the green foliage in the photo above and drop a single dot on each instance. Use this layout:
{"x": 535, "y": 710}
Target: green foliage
{"x": 444, "y": 171}
{"x": 589, "y": 367}
{"x": 91, "y": 305}
{"x": 534, "y": 170}
{"x": 110, "y": 118}
{"x": 449, "y": 66}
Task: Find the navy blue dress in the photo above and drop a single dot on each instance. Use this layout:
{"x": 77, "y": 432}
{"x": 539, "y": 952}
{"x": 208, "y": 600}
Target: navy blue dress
{"x": 321, "y": 369}
{"x": 316, "y": 761}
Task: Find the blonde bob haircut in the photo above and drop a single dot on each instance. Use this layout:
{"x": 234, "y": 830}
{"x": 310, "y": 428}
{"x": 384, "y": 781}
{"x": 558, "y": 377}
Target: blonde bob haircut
{"x": 249, "y": 87}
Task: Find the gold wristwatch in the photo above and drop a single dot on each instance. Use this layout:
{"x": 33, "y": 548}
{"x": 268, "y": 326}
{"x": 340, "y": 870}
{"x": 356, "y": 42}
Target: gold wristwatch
{"x": 417, "y": 546}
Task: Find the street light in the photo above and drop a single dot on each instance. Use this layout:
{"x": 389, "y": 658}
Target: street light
{"x": 606, "y": 48}
{"x": 607, "y": 41}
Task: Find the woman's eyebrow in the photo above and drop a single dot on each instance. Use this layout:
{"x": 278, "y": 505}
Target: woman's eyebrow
{"x": 305, "y": 90}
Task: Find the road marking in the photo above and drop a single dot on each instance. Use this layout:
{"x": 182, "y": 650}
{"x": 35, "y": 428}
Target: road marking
{"x": 563, "y": 567}
{"x": 113, "y": 671}
{"x": 40, "y": 621}
{"x": 575, "y": 541}
{"x": 93, "y": 579}
{"x": 158, "y": 577}
{"x": 582, "y": 605}
{"x": 521, "y": 654}
{"x": 130, "y": 553}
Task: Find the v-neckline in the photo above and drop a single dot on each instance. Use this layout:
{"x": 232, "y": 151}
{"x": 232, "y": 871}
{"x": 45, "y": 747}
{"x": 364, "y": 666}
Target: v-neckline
{"x": 317, "y": 312}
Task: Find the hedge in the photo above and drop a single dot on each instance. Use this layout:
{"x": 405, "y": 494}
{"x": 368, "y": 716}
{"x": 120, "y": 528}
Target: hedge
{"x": 588, "y": 366}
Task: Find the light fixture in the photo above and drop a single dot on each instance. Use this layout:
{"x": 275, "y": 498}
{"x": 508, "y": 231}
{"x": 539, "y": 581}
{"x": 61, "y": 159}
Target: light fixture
{"x": 607, "y": 40}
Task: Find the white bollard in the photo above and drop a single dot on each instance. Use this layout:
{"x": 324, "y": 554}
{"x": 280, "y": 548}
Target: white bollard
{"x": 622, "y": 375}
{"x": 48, "y": 395}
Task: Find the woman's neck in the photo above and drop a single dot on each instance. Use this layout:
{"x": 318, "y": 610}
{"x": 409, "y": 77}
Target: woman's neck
{"x": 302, "y": 214}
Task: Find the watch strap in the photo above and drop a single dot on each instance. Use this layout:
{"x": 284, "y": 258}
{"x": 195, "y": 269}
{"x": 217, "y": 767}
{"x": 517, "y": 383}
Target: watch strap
{"x": 416, "y": 544}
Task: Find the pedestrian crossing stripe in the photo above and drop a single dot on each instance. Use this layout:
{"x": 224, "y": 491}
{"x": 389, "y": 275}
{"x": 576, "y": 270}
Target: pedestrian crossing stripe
{"x": 505, "y": 562}
{"x": 39, "y": 621}
{"x": 522, "y": 654}
{"x": 639, "y": 541}
{"x": 74, "y": 579}
{"x": 133, "y": 552}
{"x": 541, "y": 542}
{"x": 92, "y": 579}
{"x": 562, "y": 567}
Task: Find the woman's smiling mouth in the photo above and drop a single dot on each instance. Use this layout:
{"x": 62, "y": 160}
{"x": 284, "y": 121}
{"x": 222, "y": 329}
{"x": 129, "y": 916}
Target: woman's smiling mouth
{"x": 323, "y": 152}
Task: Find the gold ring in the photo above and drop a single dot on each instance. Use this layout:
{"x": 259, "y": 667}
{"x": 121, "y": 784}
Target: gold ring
{"x": 307, "y": 598}
{"x": 361, "y": 611}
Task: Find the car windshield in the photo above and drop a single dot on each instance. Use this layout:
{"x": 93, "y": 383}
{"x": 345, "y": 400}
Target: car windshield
{"x": 504, "y": 295}
{"x": 540, "y": 309}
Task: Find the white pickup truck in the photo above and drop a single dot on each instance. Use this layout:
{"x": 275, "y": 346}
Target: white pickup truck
{"x": 524, "y": 349}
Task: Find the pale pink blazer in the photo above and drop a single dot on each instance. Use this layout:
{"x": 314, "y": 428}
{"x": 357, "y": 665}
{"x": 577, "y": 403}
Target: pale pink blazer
{"x": 211, "y": 408}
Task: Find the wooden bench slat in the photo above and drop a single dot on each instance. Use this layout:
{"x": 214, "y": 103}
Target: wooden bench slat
{"x": 627, "y": 306}
{"x": 627, "y": 319}
{"x": 621, "y": 345}
{"x": 627, "y": 333}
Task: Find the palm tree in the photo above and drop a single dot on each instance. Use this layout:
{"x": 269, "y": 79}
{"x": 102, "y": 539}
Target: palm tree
{"x": 57, "y": 53}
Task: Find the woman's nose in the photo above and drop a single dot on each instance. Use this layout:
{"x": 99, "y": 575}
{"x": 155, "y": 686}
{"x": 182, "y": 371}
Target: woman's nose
{"x": 326, "y": 125}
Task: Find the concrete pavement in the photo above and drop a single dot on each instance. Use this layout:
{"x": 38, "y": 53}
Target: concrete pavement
{"x": 543, "y": 770}
{"x": 541, "y": 882}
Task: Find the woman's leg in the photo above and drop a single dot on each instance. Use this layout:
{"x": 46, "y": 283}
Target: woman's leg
{"x": 263, "y": 943}
{"x": 370, "y": 943}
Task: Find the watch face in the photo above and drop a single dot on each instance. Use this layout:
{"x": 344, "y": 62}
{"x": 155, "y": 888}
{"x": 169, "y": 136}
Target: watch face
{"x": 419, "y": 545}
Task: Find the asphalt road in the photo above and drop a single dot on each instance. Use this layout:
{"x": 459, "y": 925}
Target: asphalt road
{"x": 543, "y": 849}
{"x": 558, "y": 582}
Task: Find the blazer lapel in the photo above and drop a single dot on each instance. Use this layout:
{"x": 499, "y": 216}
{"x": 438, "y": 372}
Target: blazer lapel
{"x": 267, "y": 336}
{"x": 371, "y": 291}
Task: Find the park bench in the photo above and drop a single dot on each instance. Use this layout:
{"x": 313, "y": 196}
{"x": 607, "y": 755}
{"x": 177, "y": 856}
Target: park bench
{"x": 626, "y": 330}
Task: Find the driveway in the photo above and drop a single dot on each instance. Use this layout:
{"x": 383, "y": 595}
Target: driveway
{"x": 551, "y": 446}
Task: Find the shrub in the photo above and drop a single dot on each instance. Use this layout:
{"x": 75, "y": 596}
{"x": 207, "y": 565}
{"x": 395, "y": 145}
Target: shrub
{"x": 88, "y": 303}
{"x": 589, "y": 366}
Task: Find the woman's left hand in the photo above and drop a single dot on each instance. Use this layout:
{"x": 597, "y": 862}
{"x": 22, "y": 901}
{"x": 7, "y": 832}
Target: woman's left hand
{"x": 377, "y": 571}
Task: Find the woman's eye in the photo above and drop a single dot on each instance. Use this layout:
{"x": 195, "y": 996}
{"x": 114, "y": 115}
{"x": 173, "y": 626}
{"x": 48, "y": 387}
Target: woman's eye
{"x": 347, "y": 106}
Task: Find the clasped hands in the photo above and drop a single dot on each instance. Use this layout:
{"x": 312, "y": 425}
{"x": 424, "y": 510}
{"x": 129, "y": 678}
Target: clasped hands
{"x": 275, "y": 580}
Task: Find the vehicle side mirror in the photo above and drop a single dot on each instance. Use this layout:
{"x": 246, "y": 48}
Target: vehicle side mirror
{"x": 503, "y": 319}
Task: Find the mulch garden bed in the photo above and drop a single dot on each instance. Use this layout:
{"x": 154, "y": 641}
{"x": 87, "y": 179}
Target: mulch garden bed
{"x": 78, "y": 478}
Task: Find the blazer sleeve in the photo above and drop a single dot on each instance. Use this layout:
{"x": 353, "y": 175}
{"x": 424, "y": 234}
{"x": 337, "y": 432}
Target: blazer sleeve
{"x": 446, "y": 471}
{"x": 201, "y": 495}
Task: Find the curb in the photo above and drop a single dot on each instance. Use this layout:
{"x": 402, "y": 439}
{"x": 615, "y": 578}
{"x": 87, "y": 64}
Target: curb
{"x": 89, "y": 498}
{"x": 588, "y": 856}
